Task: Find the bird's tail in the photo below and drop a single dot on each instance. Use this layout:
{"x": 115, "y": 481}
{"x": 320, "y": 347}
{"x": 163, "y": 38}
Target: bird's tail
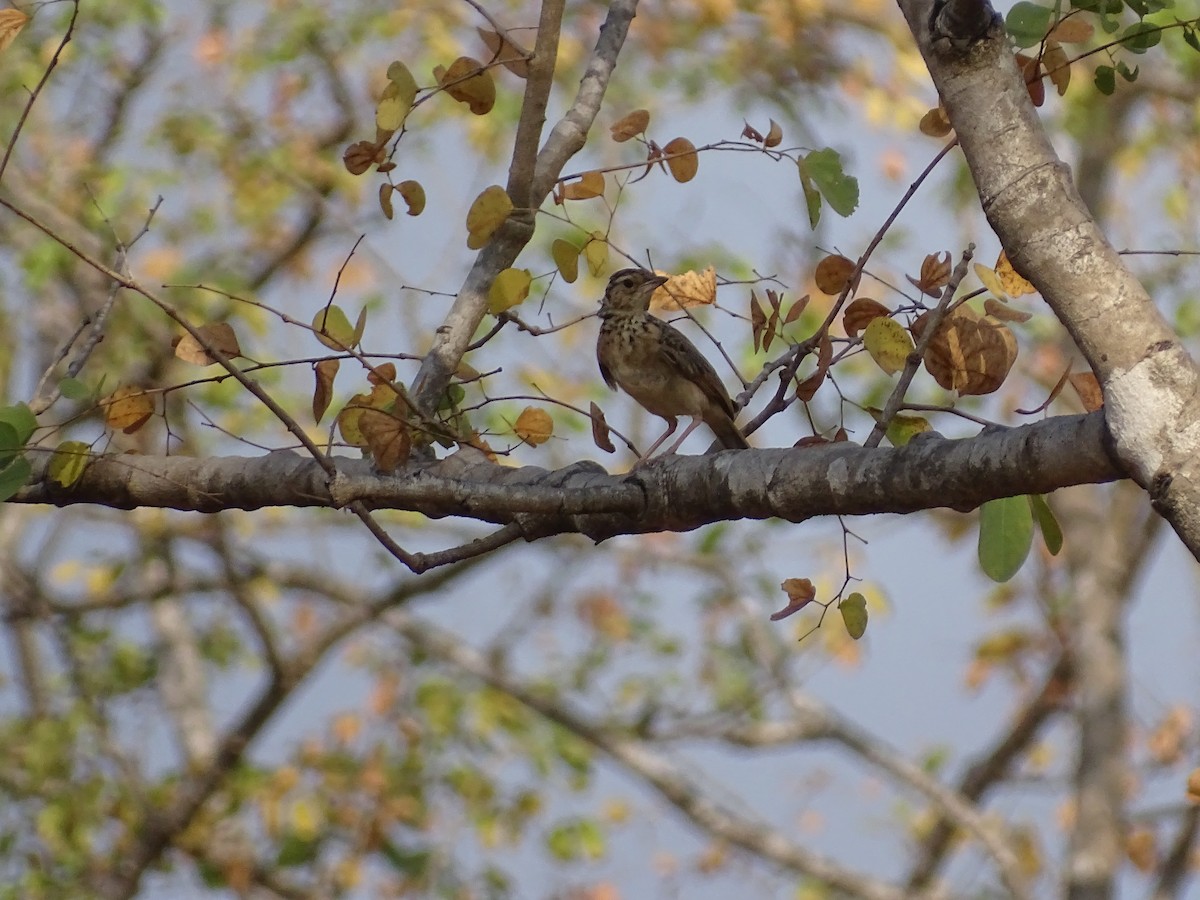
{"x": 727, "y": 433}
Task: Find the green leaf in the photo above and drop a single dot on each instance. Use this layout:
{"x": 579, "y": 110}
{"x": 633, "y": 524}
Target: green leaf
{"x": 1027, "y": 23}
{"x": 1106, "y": 80}
{"x": 1051, "y": 531}
{"x": 854, "y": 614}
{"x": 1130, "y": 75}
{"x": 68, "y": 461}
{"x": 1190, "y": 38}
{"x": 74, "y": 389}
{"x": 22, "y": 420}
{"x": 566, "y": 259}
{"x": 10, "y": 444}
{"x": 296, "y": 851}
{"x": 839, "y": 189}
{"x": 1140, "y": 37}
{"x": 1005, "y": 536}
{"x": 903, "y": 429}
{"x": 14, "y": 476}
{"x": 812, "y": 197}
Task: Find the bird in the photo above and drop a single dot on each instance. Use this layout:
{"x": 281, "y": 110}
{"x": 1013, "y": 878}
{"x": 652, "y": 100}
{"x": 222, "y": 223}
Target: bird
{"x": 655, "y": 364}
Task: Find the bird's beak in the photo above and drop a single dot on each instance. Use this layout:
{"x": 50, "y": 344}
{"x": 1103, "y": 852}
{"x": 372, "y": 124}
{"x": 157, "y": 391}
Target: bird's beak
{"x": 659, "y": 280}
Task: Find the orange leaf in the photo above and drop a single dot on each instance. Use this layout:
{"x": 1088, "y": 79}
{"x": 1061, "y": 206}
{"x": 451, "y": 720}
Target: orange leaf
{"x": 685, "y": 290}
{"x": 387, "y": 438}
{"x": 127, "y": 408}
{"x": 935, "y": 273}
{"x": 800, "y": 592}
{"x": 11, "y": 23}
{"x": 325, "y": 371}
{"x": 860, "y": 312}
{"x": 589, "y": 185}
{"x": 534, "y": 426}
{"x": 600, "y": 431}
{"x": 468, "y": 82}
{"x": 1088, "y": 389}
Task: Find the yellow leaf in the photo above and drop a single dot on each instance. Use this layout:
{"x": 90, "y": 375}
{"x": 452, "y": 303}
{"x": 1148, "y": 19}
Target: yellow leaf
{"x": 990, "y": 280}
{"x": 127, "y": 408}
{"x": 1015, "y": 285}
{"x": 688, "y": 289}
{"x": 682, "y": 160}
{"x": 11, "y": 23}
{"x": 414, "y": 195}
{"x": 595, "y": 251}
{"x": 509, "y": 288}
{"x": 468, "y": 82}
{"x": 333, "y": 328}
{"x": 903, "y": 429}
{"x": 935, "y": 123}
{"x": 534, "y": 426}
{"x": 566, "y": 259}
{"x": 630, "y": 125}
{"x": 487, "y": 213}
{"x": 397, "y": 98}
{"x": 888, "y": 343}
{"x": 68, "y": 461}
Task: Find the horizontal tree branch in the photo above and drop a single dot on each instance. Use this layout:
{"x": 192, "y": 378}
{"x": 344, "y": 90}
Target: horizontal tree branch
{"x": 672, "y": 494}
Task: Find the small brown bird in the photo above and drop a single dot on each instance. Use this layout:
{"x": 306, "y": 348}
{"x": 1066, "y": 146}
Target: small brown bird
{"x": 657, "y": 366}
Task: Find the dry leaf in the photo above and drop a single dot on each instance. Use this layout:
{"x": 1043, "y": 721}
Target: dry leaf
{"x": 774, "y": 135}
{"x": 413, "y": 195}
{"x": 361, "y": 156}
{"x": 1014, "y": 284}
{"x": 385, "y": 199}
{"x": 325, "y": 371}
{"x": 935, "y": 274}
{"x": 752, "y": 133}
{"x": 218, "y": 335}
{"x": 1074, "y": 30}
{"x": 833, "y": 273}
{"x": 384, "y": 373}
{"x": 600, "y": 431}
{"x": 682, "y": 159}
{"x": 507, "y": 52}
{"x": 969, "y": 354}
{"x": 386, "y": 437}
{"x": 797, "y": 309}
{"x": 1088, "y": 389}
{"x": 630, "y": 125}
{"x": 11, "y": 23}
{"x": 127, "y": 408}
{"x": 685, "y": 290}
{"x": 800, "y": 592}
{"x": 1058, "y": 65}
{"x": 534, "y": 426}
{"x": 1004, "y": 312}
{"x": 468, "y": 82}
{"x": 860, "y": 312}
{"x": 758, "y": 321}
{"x": 589, "y": 185}
{"x": 936, "y": 123}
{"x": 807, "y": 389}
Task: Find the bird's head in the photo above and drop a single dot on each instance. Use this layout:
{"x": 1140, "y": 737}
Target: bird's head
{"x": 630, "y": 289}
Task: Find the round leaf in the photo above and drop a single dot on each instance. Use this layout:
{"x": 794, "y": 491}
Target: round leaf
{"x": 510, "y": 288}
{"x": 888, "y": 343}
{"x": 854, "y": 614}
{"x": 684, "y": 165}
{"x": 1005, "y": 536}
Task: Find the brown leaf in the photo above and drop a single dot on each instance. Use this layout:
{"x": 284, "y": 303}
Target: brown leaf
{"x": 796, "y": 311}
{"x": 413, "y": 195}
{"x": 1088, "y": 389}
{"x": 600, "y": 431}
{"x": 218, "y": 335}
{"x": 630, "y": 125}
{"x": 534, "y": 426}
{"x": 325, "y": 371}
{"x": 935, "y": 274}
{"x": 800, "y": 592}
{"x": 468, "y": 82}
{"x": 384, "y": 373}
{"x": 385, "y": 200}
{"x": 813, "y": 440}
{"x": 774, "y": 135}
{"x": 969, "y": 354}
{"x": 859, "y": 314}
{"x": 1075, "y": 30}
{"x": 1005, "y": 313}
{"x": 507, "y": 52}
{"x": 589, "y": 185}
{"x": 751, "y": 133}
{"x": 387, "y": 438}
{"x": 682, "y": 159}
{"x": 758, "y": 321}
{"x": 361, "y": 156}
{"x": 687, "y": 289}
{"x": 127, "y": 408}
{"x": 1032, "y": 70}
{"x": 936, "y": 123}
{"x": 1058, "y": 66}
{"x": 807, "y": 389}
{"x": 11, "y": 23}
{"x": 833, "y": 273}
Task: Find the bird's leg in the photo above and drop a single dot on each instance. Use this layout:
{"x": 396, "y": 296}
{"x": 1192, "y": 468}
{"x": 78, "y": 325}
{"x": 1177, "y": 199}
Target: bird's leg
{"x": 672, "y": 424}
{"x": 696, "y": 420}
